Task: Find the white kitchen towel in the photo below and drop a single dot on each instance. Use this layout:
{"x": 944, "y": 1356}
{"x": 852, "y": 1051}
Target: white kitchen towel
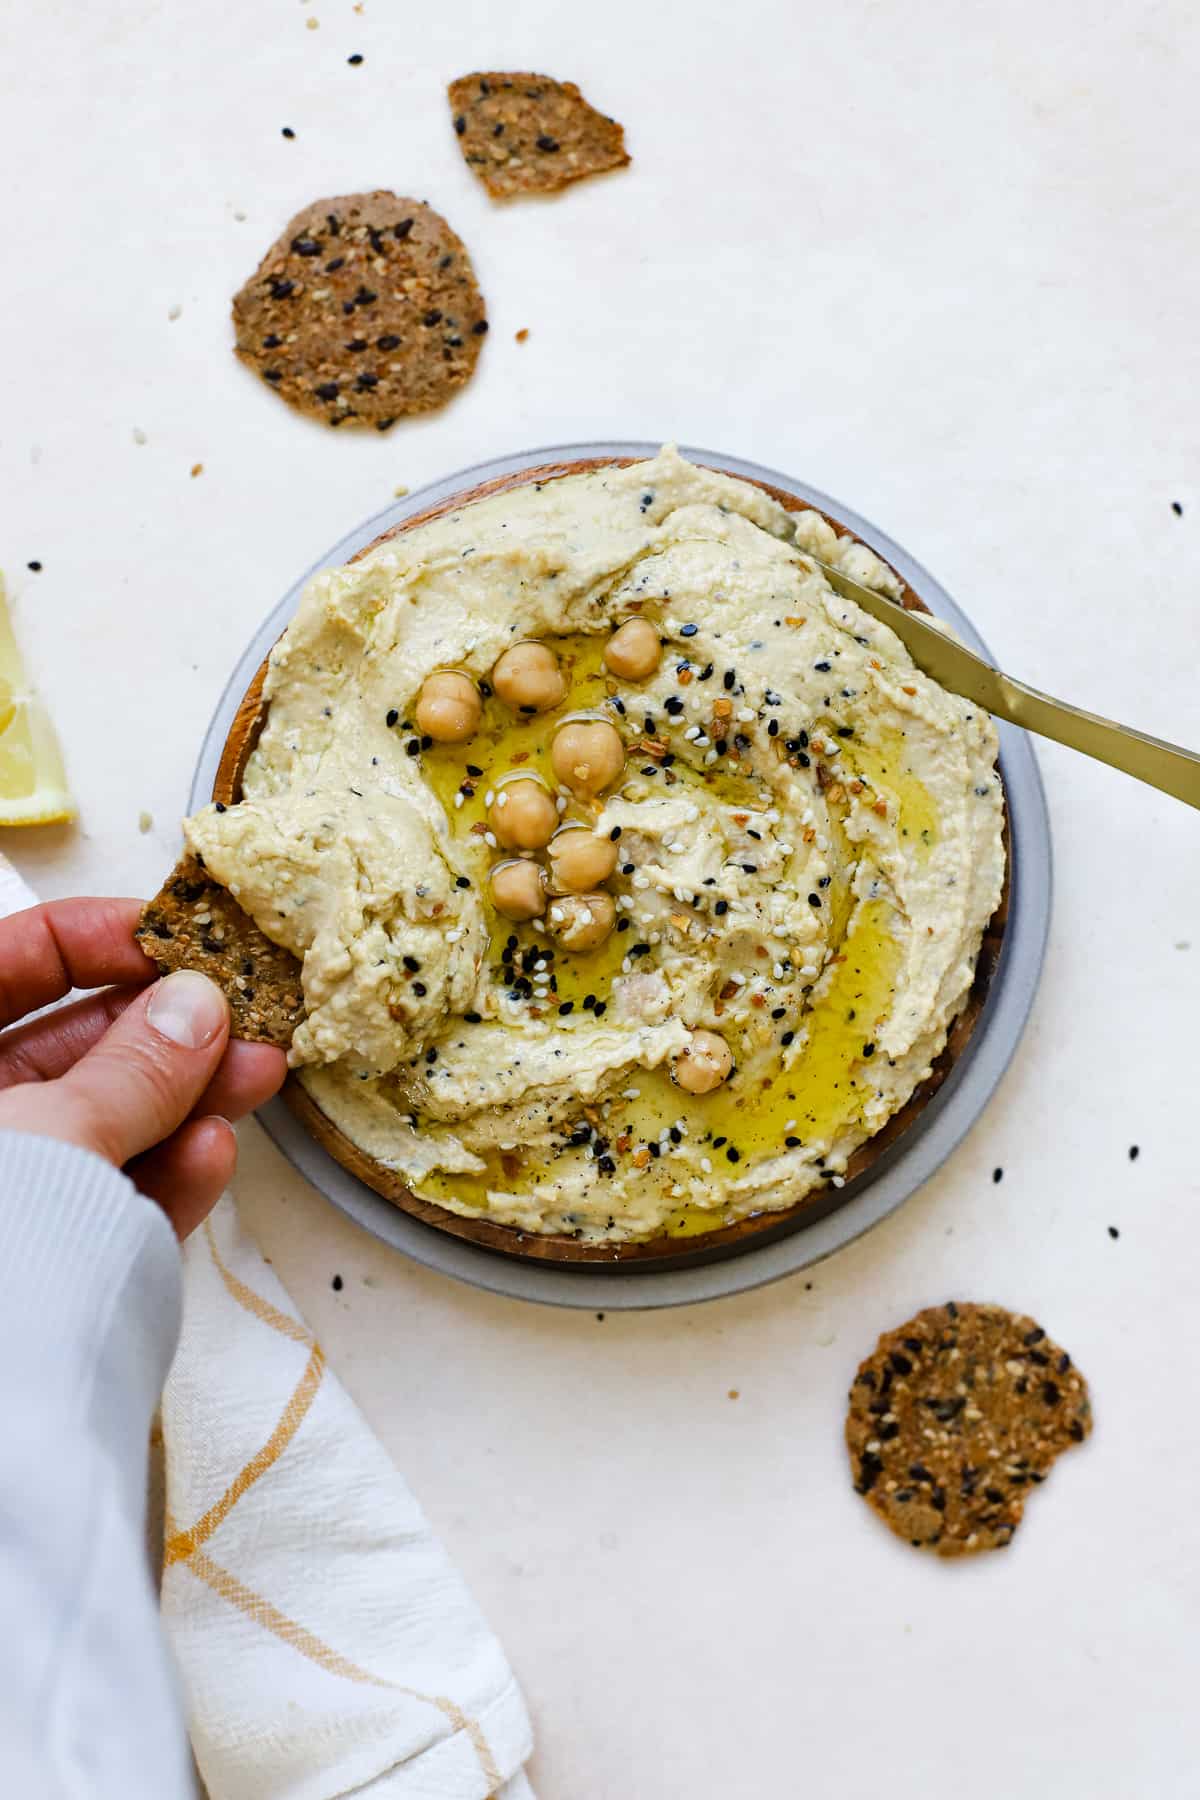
{"x": 14, "y": 895}
{"x": 326, "y": 1643}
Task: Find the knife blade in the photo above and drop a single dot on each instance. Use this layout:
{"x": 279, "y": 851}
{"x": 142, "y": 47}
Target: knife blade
{"x": 1168, "y": 767}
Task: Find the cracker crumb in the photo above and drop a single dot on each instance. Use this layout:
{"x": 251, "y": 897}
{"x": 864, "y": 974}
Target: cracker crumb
{"x": 311, "y": 23}
{"x": 400, "y": 491}
{"x": 145, "y": 822}
{"x": 522, "y": 335}
{"x": 173, "y": 312}
{"x": 139, "y": 436}
{"x": 197, "y": 469}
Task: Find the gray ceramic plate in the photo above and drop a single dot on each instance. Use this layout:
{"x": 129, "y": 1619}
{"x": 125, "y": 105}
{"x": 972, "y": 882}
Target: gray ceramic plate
{"x": 897, "y": 1173}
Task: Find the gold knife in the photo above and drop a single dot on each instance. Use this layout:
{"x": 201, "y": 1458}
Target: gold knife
{"x": 953, "y": 666}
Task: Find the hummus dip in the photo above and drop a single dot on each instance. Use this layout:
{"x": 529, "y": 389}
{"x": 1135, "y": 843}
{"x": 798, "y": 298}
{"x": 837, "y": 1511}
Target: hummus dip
{"x": 804, "y": 834}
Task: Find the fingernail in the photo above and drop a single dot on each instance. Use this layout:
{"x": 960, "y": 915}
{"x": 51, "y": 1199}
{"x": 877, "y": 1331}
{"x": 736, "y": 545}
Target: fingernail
{"x": 188, "y": 1009}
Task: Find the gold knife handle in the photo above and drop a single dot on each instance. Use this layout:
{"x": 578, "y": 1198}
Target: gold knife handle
{"x": 1165, "y": 766}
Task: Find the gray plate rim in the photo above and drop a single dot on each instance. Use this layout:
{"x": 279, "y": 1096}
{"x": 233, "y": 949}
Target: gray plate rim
{"x": 895, "y": 1176}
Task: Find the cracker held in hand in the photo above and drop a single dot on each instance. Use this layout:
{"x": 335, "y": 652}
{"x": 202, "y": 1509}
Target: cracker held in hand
{"x": 530, "y": 134}
{"x": 195, "y": 923}
{"x": 365, "y": 310}
{"x": 955, "y": 1417}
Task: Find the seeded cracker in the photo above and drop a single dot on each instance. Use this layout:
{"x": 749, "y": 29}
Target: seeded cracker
{"x": 955, "y": 1417}
{"x": 529, "y": 134}
{"x": 365, "y": 310}
{"x": 195, "y": 923}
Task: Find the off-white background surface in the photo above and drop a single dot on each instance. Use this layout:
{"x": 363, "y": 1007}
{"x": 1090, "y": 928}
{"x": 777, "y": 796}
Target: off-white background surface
{"x": 942, "y": 261}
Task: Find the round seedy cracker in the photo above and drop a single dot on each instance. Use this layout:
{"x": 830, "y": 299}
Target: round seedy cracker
{"x": 954, "y": 1417}
{"x": 529, "y": 134}
{"x": 366, "y": 309}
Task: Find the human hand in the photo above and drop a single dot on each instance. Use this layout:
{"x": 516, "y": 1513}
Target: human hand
{"x": 142, "y": 1073}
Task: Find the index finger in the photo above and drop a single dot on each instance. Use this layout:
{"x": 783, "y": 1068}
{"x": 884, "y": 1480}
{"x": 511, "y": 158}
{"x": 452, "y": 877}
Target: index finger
{"x": 50, "y": 949}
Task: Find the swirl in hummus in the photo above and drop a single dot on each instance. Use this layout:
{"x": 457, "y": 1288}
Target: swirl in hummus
{"x": 808, "y": 840}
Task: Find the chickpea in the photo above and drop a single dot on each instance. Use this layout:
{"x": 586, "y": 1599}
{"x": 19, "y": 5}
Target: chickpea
{"x": 582, "y": 921}
{"x": 449, "y": 707}
{"x": 522, "y": 814}
{"x": 632, "y": 652}
{"x": 529, "y": 678}
{"x": 704, "y": 1065}
{"x": 519, "y": 890}
{"x": 579, "y": 859}
{"x": 587, "y": 755}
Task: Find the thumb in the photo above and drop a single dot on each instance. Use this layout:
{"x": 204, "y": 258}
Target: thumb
{"x": 144, "y": 1076}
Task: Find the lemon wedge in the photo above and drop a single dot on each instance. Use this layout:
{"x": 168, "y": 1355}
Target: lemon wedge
{"x": 33, "y": 784}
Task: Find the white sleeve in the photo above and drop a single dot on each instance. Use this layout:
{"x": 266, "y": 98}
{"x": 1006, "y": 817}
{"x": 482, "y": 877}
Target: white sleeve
{"x": 90, "y": 1297}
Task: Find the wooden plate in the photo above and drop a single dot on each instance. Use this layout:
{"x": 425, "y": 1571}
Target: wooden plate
{"x": 544, "y": 1247}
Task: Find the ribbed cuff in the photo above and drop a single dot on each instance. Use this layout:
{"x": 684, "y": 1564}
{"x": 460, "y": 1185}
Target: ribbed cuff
{"x": 91, "y": 1285}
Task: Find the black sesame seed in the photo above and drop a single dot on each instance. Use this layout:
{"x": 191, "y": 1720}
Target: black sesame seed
{"x": 472, "y": 770}
{"x": 688, "y": 630}
{"x": 392, "y": 716}
{"x": 718, "y": 1141}
{"x": 622, "y": 924}
{"x": 306, "y": 246}
{"x": 675, "y": 1135}
{"x": 328, "y": 390}
{"x": 547, "y": 143}
{"x": 614, "y": 834}
{"x": 462, "y": 881}
{"x": 460, "y": 124}
{"x": 706, "y": 672}
{"x": 337, "y": 1284}
{"x": 589, "y": 1001}
{"x": 777, "y": 1012}
{"x": 411, "y": 964}
{"x": 606, "y": 1165}
{"x": 271, "y": 341}
{"x": 357, "y": 344}
{"x": 792, "y": 1143}
{"x": 814, "y": 899}
{"x": 431, "y": 1055}
{"x": 566, "y": 1007}
{"x": 600, "y": 1007}
{"x": 288, "y": 132}
{"x": 997, "y": 1174}
{"x": 1113, "y": 1232}
{"x": 721, "y": 908}
{"x": 479, "y": 327}
{"x": 354, "y": 60}
{"x": 823, "y": 667}
{"x": 389, "y": 341}
{"x": 1133, "y": 1152}
{"x": 220, "y": 806}
{"x": 412, "y": 746}
{"x": 272, "y": 375}
{"x": 1177, "y": 509}
{"x": 1033, "y": 1337}
{"x": 1051, "y": 1393}
{"x": 674, "y": 705}
{"x": 773, "y": 728}
{"x": 403, "y": 228}
{"x": 733, "y": 1154}
{"x": 844, "y": 731}
{"x": 868, "y": 1049}
{"x": 787, "y": 1037}
{"x": 473, "y": 1018}
{"x": 419, "y": 989}
{"x": 432, "y": 317}
{"x": 728, "y": 679}
{"x": 366, "y": 381}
